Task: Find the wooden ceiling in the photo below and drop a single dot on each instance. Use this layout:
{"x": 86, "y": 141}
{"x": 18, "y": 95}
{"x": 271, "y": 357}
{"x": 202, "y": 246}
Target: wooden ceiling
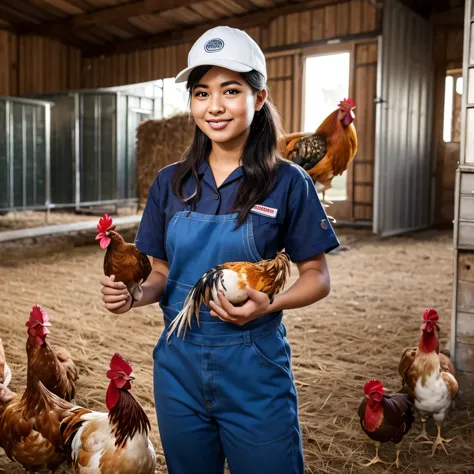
{"x": 100, "y": 27}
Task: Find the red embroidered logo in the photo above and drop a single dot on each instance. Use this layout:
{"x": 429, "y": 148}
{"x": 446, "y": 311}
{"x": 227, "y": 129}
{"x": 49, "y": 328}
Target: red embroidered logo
{"x": 324, "y": 224}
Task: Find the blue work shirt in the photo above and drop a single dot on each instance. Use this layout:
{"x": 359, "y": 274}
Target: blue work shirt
{"x": 300, "y": 225}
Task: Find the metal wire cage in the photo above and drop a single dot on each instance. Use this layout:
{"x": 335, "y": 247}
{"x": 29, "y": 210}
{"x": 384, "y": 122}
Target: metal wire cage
{"x": 24, "y": 154}
{"x": 93, "y": 144}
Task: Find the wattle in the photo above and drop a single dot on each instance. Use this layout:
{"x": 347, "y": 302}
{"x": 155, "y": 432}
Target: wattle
{"x": 112, "y": 395}
{"x": 104, "y": 242}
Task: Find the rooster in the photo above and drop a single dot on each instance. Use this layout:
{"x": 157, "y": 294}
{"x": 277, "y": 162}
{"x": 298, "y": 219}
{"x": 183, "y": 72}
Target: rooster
{"x": 29, "y": 425}
{"x": 5, "y": 372}
{"x": 430, "y": 377}
{"x": 114, "y": 442}
{"x": 55, "y": 369}
{"x": 267, "y": 276}
{"x": 385, "y": 417}
{"x": 327, "y": 152}
{"x": 125, "y": 261}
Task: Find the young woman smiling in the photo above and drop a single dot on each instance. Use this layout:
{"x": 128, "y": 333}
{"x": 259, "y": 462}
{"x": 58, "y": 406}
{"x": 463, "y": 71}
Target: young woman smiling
{"x": 227, "y": 389}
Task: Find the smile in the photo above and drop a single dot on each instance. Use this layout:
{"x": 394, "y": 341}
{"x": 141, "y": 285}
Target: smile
{"x": 218, "y": 125}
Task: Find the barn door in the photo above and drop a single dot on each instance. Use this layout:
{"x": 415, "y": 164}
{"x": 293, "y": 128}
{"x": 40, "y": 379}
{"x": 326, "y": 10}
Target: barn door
{"x": 403, "y": 113}
{"x": 284, "y": 82}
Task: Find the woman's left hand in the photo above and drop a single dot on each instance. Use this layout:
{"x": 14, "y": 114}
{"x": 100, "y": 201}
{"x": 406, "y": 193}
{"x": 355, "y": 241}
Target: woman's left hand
{"x": 257, "y": 305}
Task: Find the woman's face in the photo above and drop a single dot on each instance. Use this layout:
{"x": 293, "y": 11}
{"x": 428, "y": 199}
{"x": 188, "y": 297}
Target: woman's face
{"x": 223, "y": 105}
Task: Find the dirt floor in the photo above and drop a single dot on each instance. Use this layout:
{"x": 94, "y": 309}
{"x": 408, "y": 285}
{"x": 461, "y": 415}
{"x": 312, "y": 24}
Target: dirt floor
{"x": 379, "y": 292}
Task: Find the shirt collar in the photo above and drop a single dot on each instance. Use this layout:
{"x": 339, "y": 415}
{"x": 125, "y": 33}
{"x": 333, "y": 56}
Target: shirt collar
{"x": 205, "y": 170}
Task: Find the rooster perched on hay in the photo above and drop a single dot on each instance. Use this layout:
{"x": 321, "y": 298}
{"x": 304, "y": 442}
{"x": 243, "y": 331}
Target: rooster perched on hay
{"x": 429, "y": 376}
{"x": 327, "y": 152}
{"x": 384, "y": 417}
{"x": 267, "y": 276}
{"x": 55, "y": 369}
{"x": 114, "y": 442}
{"x": 125, "y": 261}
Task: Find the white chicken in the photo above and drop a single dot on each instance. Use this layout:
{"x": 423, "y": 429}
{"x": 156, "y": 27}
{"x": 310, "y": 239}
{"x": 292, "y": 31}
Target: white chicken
{"x": 114, "y": 442}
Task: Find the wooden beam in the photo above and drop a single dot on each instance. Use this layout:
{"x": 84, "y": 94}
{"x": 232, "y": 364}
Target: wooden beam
{"x": 111, "y": 15}
{"x": 167, "y": 38}
{"x": 19, "y": 27}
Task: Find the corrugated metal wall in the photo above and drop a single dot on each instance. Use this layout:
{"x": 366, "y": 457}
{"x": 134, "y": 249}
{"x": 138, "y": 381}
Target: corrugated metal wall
{"x": 404, "y": 112}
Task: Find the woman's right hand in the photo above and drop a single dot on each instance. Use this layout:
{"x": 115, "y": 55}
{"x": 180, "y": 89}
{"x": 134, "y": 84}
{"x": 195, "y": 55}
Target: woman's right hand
{"x": 115, "y": 295}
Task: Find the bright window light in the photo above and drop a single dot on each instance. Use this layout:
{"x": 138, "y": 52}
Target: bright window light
{"x": 327, "y": 81}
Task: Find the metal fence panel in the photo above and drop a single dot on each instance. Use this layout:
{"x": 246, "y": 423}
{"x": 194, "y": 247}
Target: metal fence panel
{"x": 63, "y": 167}
{"x": 24, "y": 154}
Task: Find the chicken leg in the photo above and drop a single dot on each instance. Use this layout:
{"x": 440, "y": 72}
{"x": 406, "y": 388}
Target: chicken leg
{"x": 423, "y": 434}
{"x": 397, "y": 447}
{"x": 439, "y": 440}
{"x": 376, "y": 458}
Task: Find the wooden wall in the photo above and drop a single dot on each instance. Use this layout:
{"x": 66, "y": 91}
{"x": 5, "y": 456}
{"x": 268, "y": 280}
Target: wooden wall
{"x": 34, "y": 65}
{"x": 349, "y": 18}
{"x": 448, "y": 51}
{"x": 361, "y": 176}
{"x": 42, "y": 65}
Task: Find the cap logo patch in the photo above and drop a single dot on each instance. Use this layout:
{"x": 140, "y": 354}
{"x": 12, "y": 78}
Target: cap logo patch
{"x": 324, "y": 224}
{"x": 214, "y": 45}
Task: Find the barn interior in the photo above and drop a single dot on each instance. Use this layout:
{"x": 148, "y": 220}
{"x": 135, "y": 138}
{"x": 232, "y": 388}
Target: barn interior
{"x": 89, "y": 113}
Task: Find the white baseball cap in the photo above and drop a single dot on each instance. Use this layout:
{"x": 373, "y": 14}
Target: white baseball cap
{"x": 226, "y": 47}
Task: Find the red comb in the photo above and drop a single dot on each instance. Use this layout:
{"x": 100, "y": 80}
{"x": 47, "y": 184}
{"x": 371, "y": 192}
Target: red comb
{"x": 430, "y": 315}
{"x": 347, "y": 103}
{"x": 372, "y": 386}
{"x": 39, "y": 314}
{"x": 119, "y": 364}
{"x": 105, "y": 223}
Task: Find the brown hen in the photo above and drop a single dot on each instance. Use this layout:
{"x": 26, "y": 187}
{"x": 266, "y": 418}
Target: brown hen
{"x": 124, "y": 260}
{"x": 55, "y": 369}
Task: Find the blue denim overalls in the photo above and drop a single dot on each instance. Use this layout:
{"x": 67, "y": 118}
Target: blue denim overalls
{"x": 226, "y": 391}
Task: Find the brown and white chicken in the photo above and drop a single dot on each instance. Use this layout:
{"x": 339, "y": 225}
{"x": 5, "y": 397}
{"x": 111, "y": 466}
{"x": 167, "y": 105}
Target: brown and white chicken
{"x": 124, "y": 260}
{"x": 267, "y": 276}
{"x": 29, "y": 425}
{"x": 55, "y": 369}
{"x": 115, "y": 442}
{"x": 430, "y": 377}
{"x": 5, "y": 372}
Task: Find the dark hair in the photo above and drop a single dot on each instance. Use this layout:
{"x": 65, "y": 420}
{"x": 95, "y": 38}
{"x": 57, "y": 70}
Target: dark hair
{"x": 260, "y": 156}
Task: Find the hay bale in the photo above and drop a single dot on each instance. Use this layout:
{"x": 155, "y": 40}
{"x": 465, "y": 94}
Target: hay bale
{"x": 160, "y": 143}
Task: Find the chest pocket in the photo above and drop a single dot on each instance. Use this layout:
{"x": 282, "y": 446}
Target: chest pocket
{"x": 268, "y": 232}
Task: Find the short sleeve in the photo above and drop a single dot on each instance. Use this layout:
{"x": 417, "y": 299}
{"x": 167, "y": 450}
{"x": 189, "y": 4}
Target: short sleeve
{"x": 308, "y": 230}
{"x": 151, "y": 233}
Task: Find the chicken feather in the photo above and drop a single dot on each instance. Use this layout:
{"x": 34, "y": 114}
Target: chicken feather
{"x": 268, "y": 276}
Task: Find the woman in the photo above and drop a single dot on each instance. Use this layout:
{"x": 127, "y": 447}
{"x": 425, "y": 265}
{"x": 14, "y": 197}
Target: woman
{"x": 227, "y": 389}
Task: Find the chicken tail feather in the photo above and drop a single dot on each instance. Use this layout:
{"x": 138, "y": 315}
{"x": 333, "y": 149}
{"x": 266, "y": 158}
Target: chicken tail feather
{"x": 202, "y": 291}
